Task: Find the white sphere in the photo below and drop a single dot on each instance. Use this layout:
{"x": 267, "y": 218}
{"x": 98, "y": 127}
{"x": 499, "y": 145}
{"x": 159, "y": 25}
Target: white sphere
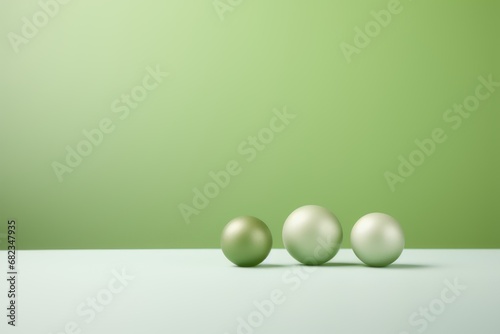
{"x": 377, "y": 239}
{"x": 312, "y": 235}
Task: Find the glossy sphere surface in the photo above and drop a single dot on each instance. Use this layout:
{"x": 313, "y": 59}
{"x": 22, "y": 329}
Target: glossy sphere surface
{"x": 312, "y": 235}
{"x": 246, "y": 241}
{"x": 377, "y": 239}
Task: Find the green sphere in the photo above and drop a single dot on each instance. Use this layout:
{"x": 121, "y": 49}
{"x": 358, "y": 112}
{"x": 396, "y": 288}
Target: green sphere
{"x": 246, "y": 241}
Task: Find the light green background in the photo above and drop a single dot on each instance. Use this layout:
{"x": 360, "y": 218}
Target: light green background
{"x": 226, "y": 76}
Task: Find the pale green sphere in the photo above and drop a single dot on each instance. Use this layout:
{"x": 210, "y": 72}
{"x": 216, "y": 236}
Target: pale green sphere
{"x": 377, "y": 239}
{"x": 246, "y": 241}
{"x": 312, "y": 235}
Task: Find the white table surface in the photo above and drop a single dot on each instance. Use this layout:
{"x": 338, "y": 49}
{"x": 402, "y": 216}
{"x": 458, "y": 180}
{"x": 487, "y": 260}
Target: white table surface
{"x": 199, "y": 291}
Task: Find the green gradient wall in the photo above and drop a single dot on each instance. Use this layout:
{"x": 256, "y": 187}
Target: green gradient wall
{"x": 231, "y": 70}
